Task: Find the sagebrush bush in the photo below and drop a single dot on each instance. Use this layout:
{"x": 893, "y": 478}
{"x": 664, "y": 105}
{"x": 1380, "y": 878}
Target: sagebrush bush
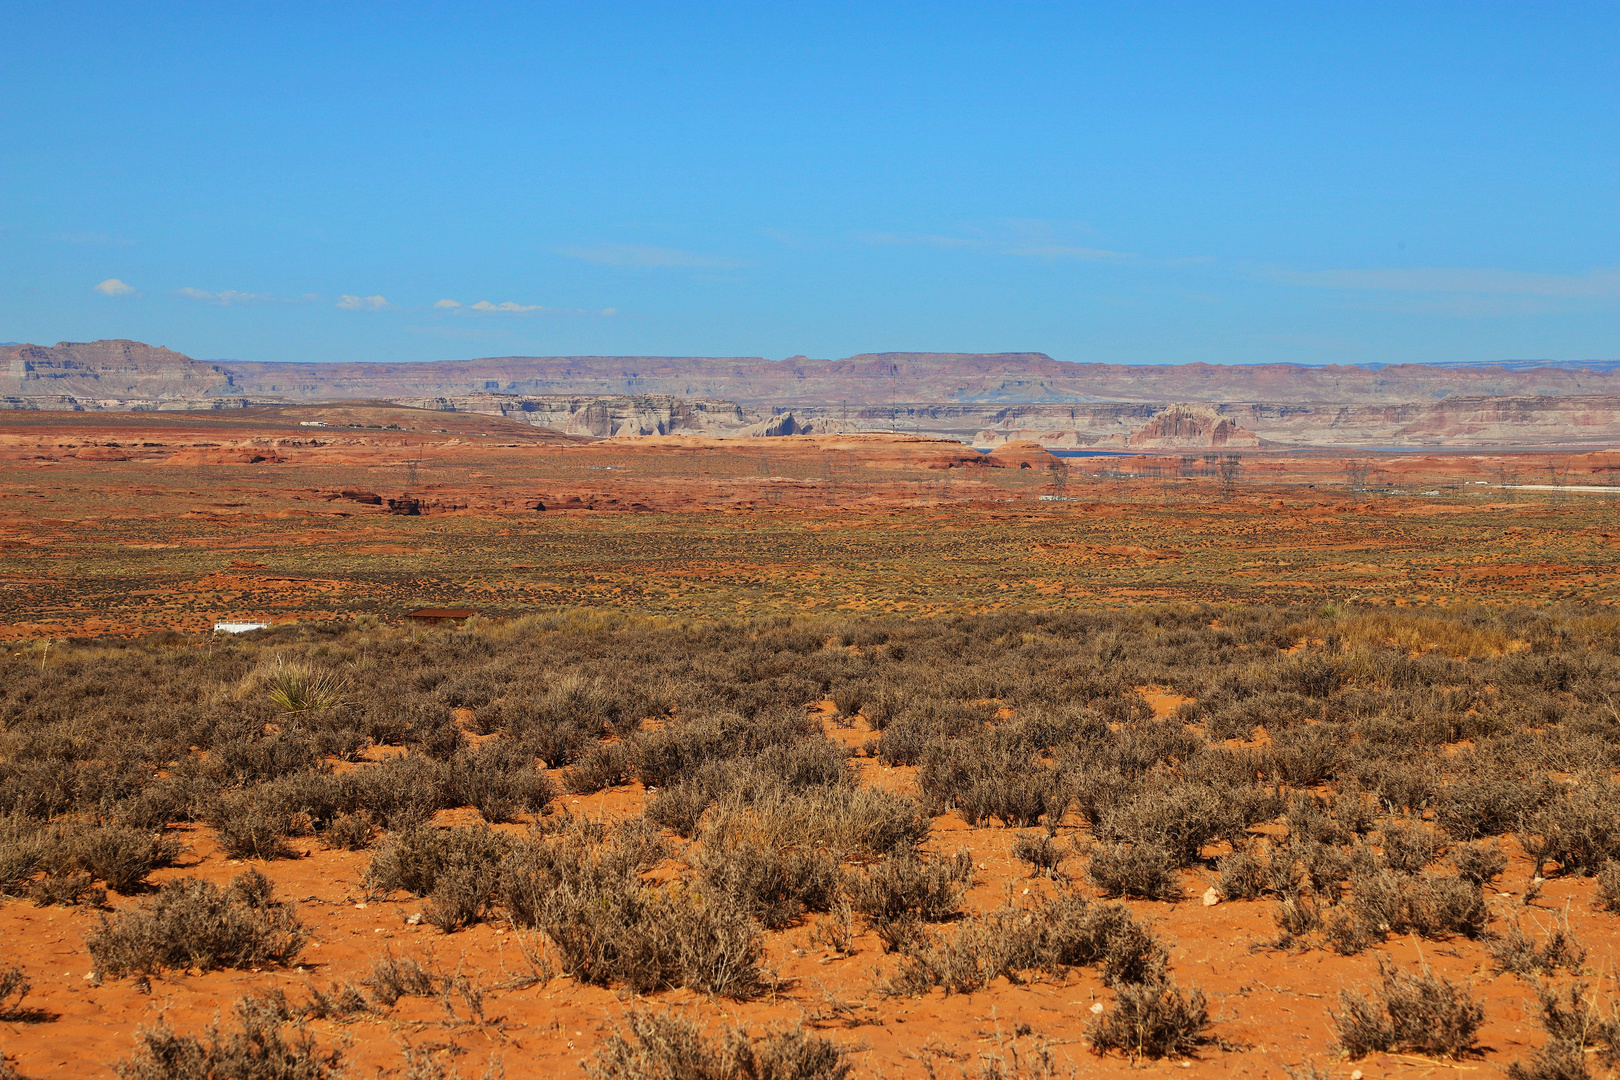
{"x": 192, "y": 923}
{"x": 905, "y": 885}
{"x": 1419, "y": 1013}
{"x": 1515, "y": 951}
{"x": 251, "y": 825}
{"x": 1577, "y": 1028}
{"x": 1151, "y": 1020}
{"x": 668, "y": 1046}
{"x": 1607, "y": 897}
{"x": 1478, "y": 863}
{"x": 1042, "y": 852}
{"x": 457, "y": 869}
{"x": 774, "y": 886}
{"x": 1144, "y": 870}
{"x": 255, "y": 1049}
{"x": 609, "y": 927}
{"x": 1054, "y": 935}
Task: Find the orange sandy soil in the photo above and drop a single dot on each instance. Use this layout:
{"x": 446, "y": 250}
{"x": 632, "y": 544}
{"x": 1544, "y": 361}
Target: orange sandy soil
{"x": 129, "y": 523}
{"x": 1270, "y": 1005}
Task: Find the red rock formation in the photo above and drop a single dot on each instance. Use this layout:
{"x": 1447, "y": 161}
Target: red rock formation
{"x": 1189, "y": 427}
{"x": 1023, "y": 455}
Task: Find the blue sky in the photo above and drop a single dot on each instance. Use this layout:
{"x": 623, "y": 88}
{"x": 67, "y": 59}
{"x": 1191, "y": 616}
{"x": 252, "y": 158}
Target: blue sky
{"x": 1130, "y": 183}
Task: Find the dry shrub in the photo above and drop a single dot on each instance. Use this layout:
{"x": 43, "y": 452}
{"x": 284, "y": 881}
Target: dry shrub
{"x": 121, "y": 857}
{"x": 1608, "y": 887}
{"x": 1063, "y": 932}
{"x": 458, "y": 870}
{"x": 1487, "y": 802}
{"x": 1412, "y": 1013}
{"x": 1408, "y": 848}
{"x": 669, "y": 1046}
{"x": 1577, "y": 1027}
{"x": 1070, "y": 930}
{"x": 775, "y": 887}
{"x": 604, "y": 765}
{"x": 463, "y": 888}
{"x": 1246, "y": 874}
{"x": 610, "y": 927}
{"x": 255, "y": 1049}
{"x": 500, "y": 780}
{"x": 14, "y": 986}
{"x": 844, "y": 821}
{"x": 1430, "y": 905}
{"x": 1515, "y": 951}
{"x": 1305, "y": 756}
{"x": 1152, "y": 1020}
{"x": 1478, "y": 863}
{"x": 1145, "y": 870}
{"x": 960, "y": 961}
{"x": 252, "y": 825}
{"x": 1042, "y": 852}
{"x": 1177, "y": 819}
{"x": 393, "y": 977}
{"x": 351, "y": 832}
{"x": 906, "y": 885}
{"x": 190, "y": 923}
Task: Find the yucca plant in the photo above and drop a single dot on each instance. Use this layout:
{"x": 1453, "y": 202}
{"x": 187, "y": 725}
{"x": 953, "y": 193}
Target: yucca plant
{"x": 301, "y": 687}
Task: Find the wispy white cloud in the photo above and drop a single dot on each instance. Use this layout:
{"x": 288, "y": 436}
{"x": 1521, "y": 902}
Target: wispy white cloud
{"x": 363, "y": 303}
{"x": 228, "y": 297}
{"x": 484, "y": 307}
{"x": 113, "y": 287}
{"x": 509, "y": 307}
{"x": 1477, "y": 282}
{"x": 642, "y": 256}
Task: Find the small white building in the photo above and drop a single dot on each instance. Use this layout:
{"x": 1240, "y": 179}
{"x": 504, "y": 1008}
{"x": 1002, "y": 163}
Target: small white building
{"x": 238, "y": 627}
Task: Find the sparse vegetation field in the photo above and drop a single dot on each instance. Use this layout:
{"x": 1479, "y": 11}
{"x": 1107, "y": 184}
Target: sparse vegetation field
{"x": 1240, "y": 836}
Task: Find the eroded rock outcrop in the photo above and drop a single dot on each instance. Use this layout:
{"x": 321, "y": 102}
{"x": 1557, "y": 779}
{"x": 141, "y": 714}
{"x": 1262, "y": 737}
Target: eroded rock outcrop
{"x": 1187, "y": 427}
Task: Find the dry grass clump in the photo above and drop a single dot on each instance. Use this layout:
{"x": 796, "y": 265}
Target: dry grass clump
{"x": 60, "y": 863}
{"x": 1053, "y": 936}
{"x": 774, "y": 886}
{"x": 609, "y": 927}
{"x": 1152, "y": 1020}
{"x": 256, "y": 1048}
{"x": 1578, "y": 1029}
{"x": 1418, "y": 1013}
{"x": 192, "y": 923}
{"x": 668, "y": 1046}
{"x": 1515, "y": 951}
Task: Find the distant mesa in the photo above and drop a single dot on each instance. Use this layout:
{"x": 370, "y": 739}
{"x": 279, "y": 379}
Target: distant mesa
{"x": 1024, "y": 455}
{"x": 986, "y": 399}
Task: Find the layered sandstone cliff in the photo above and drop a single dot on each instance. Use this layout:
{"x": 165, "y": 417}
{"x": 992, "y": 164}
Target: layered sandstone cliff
{"x": 987, "y": 399}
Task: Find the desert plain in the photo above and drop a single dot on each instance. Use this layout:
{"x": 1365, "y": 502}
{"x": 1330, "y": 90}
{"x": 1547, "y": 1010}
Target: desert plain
{"x": 1429, "y": 582}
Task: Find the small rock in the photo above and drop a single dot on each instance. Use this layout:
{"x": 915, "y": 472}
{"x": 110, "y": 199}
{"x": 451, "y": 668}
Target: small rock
{"x": 1096, "y": 1008}
{"x": 1211, "y": 897}
{"x": 1356, "y": 1075}
{"x": 415, "y": 919}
